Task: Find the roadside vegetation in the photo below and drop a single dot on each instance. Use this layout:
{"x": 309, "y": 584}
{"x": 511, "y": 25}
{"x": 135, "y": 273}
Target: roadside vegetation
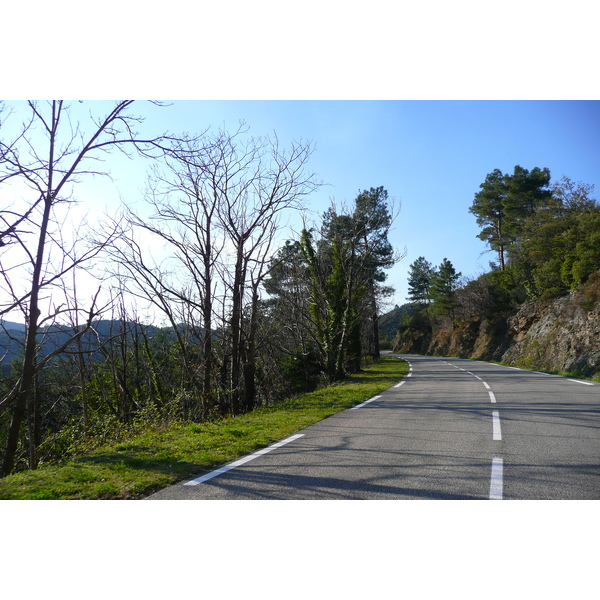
{"x": 209, "y": 304}
{"x": 546, "y": 239}
{"x": 163, "y": 455}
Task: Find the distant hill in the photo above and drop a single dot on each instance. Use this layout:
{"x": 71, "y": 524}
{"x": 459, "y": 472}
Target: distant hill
{"x": 12, "y": 337}
{"x": 11, "y": 326}
{"x": 389, "y": 323}
{"x": 12, "y": 334}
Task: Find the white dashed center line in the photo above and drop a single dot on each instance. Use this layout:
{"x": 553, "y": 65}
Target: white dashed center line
{"x": 497, "y": 434}
{"x": 496, "y": 479}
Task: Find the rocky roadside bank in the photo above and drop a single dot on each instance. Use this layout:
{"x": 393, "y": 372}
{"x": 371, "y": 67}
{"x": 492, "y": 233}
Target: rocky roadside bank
{"x": 560, "y": 335}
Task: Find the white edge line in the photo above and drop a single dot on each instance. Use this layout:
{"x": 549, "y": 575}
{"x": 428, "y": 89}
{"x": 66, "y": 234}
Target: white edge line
{"x": 243, "y": 460}
{"x": 584, "y": 382}
{"x": 367, "y": 402}
{"x": 497, "y": 434}
{"x": 496, "y": 479}
{"x": 401, "y": 383}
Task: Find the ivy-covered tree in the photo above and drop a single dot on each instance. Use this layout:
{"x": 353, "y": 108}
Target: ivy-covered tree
{"x": 336, "y": 288}
{"x": 330, "y": 285}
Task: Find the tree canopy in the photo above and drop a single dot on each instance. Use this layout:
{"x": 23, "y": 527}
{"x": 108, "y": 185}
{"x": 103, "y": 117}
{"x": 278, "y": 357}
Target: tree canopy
{"x": 503, "y": 204}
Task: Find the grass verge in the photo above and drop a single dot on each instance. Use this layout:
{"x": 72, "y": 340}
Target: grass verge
{"x": 163, "y": 456}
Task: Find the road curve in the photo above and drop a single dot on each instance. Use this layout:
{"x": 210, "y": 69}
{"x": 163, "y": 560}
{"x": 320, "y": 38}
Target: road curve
{"x": 452, "y": 429}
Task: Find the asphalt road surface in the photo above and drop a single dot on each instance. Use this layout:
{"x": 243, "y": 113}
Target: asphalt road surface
{"x": 451, "y": 430}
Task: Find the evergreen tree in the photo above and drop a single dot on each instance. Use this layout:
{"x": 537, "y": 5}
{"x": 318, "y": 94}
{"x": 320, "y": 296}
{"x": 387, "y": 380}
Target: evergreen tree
{"x": 373, "y": 221}
{"x": 444, "y": 284}
{"x": 489, "y": 207}
{"x": 560, "y": 244}
{"x": 505, "y": 202}
{"x": 345, "y": 272}
{"x": 419, "y": 281}
{"x": 526, "y": 191}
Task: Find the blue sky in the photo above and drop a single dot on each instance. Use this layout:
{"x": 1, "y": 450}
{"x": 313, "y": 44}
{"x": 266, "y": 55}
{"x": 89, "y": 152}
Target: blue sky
{"x": 431, "y": 156}
{"x": 416, "y": 132}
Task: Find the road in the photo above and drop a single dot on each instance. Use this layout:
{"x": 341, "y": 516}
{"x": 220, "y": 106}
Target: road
{"x": 452, "y": 429}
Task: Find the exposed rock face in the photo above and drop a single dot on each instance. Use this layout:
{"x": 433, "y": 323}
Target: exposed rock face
{"x": 561, "y": 335}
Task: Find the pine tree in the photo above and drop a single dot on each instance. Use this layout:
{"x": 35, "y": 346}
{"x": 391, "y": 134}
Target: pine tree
{"x": 419, "y": 281}
{"x": 444, "y": 284}
{"x": 373, "y": 219}
{"x": 489, "y": 207}
{"x": 504, "y": 204}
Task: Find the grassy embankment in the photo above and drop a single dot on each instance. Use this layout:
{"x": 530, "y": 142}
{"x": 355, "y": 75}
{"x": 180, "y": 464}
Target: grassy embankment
{"x": 161, "y": 457}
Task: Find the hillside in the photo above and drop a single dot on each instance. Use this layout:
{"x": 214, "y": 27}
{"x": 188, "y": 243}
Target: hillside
{"x": 560, "y": 335}
{"x": 12, "y": 336}
{"x": 390, "y": 321}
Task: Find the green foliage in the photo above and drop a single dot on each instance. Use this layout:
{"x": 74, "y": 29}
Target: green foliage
{"x": 419, "y": 281}
{"x": 148, "y": 460}
{"x": 506, "y": 290}
{"x": 490, "y": 212}
{"x": 560, "y": 246}
{"x": 373, "y": 221}
{"x": 548, "y": 239}
{"x": 444, "y": 284}
{"x": 341, "y": 282}
{"x": 503, "y": 204}
{"x": 389, "y": 322}
{"x": 438, "y": 286}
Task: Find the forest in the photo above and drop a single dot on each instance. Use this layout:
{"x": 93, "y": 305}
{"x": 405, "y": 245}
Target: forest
{"x": 246, "y": 317}
{"x": 545, "y": 236}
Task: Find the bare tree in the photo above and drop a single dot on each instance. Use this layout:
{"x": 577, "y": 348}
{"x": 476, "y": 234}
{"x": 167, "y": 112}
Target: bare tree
{"x": 184, "y": 219}
{"x": 45, "y": 158}
{"x": 257, "y": 182}
{"x": 216, "y": 207}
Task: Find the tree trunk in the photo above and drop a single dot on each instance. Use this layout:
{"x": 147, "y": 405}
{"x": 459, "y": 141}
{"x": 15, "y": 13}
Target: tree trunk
{"x": 376, "y": 352}
{"x": 236, "y": 329}
{"x": 207, "y": 392}
{"x": 250, "y": 364}
{"x": 29, "y": 367}
{"x": 34, "y": 425}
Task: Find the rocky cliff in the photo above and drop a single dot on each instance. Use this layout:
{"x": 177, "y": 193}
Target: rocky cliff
{"x": 560, "y": 335}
